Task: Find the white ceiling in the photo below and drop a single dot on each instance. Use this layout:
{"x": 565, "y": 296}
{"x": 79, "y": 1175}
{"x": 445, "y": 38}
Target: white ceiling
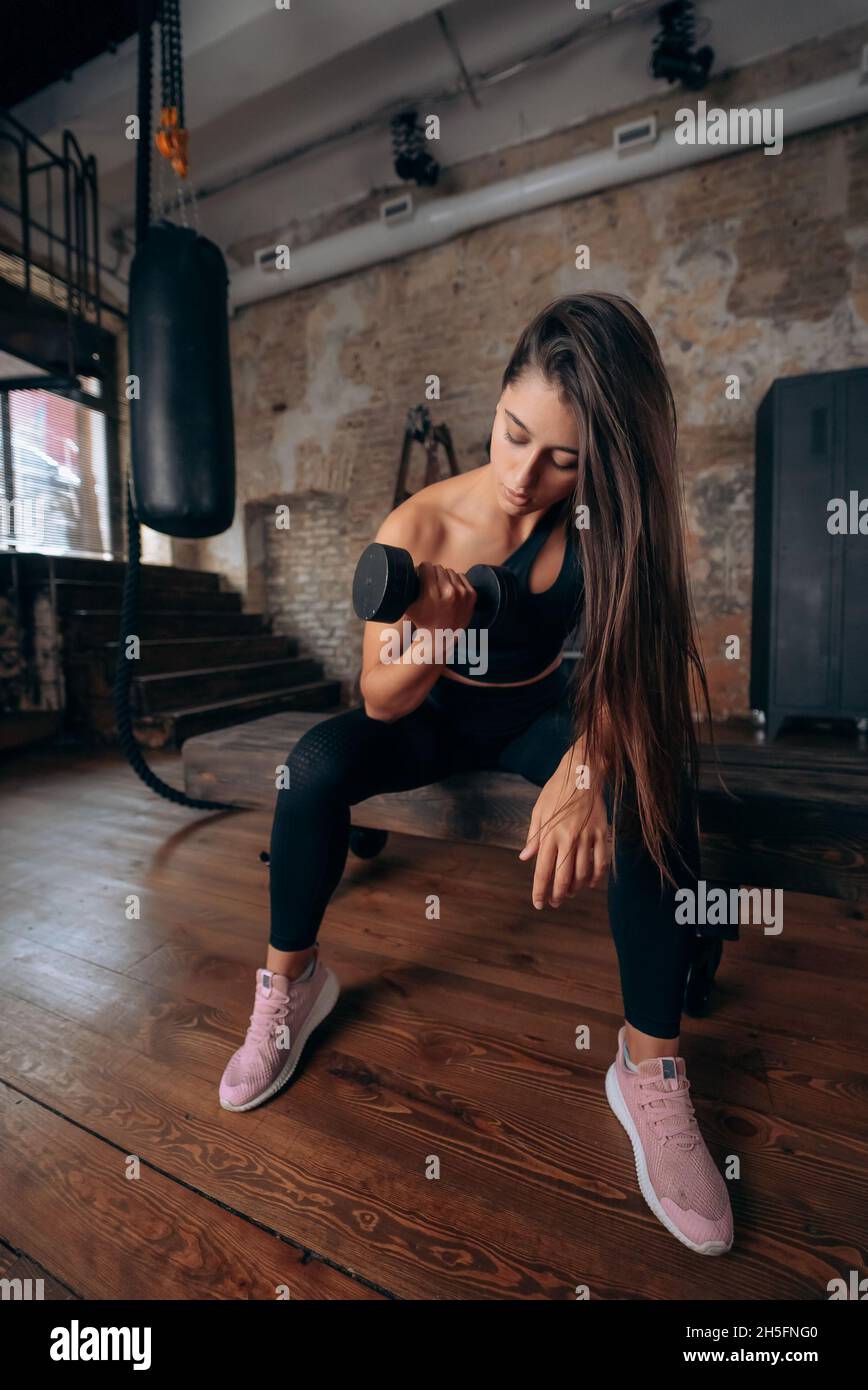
{"x": 262, "y": 84}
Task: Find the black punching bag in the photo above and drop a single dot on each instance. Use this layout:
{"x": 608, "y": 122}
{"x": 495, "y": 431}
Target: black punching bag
{"x": 183, "y": 448}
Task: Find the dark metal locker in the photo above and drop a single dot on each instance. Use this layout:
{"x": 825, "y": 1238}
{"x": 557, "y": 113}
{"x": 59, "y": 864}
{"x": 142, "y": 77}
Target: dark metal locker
{"x": 809, "y": 645}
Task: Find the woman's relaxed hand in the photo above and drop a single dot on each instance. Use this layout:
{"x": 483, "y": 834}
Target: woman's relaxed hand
{"x": 573, "y": 850}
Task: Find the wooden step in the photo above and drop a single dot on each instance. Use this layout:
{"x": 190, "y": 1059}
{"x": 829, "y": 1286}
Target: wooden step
{"x": 193, "y": 653}
{"x": 35, "y": 569}
{"x": 73, "y": 595}
{"x": 782, "y": 831}
{"x": 90, "y": 674}
{"x": 94, "y": 628}
{"x": 172, "y": 727}
{"x": 174, "y": 689}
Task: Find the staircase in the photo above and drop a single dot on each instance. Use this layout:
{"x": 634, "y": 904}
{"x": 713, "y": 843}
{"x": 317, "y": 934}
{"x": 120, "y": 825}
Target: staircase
{"x": 203, "y": 664}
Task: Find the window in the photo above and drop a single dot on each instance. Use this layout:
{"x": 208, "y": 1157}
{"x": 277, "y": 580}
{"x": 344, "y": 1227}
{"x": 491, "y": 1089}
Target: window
{"x": 54, "y": 495}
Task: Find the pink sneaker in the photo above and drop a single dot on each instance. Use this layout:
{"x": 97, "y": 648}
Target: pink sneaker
{"x": 285, "y": 1013}
{"x": 677, "y": 1175}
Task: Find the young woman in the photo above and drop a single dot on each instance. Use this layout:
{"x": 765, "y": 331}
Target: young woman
{"x": 581, "y": 501}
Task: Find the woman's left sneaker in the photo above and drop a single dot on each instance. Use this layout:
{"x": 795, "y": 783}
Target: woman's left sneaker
{"x": 677, "y": 1175}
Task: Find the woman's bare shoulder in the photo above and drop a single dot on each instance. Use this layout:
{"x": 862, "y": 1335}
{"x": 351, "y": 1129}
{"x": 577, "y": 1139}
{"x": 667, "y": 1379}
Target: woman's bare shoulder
{"x": 421, "y": 523}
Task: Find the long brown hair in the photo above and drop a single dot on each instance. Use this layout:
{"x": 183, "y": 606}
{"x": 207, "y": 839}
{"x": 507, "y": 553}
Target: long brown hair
{"x": 641, "y": 661}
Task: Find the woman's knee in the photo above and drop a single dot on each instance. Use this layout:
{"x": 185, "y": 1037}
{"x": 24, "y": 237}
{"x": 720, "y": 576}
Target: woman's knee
{"x": 320, "y": 762}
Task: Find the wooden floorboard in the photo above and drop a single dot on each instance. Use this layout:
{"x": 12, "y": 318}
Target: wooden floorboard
{"x": 14, "y": 1264}
{"x": 452, "y": 1038}
{"x": 68, "y": 1194}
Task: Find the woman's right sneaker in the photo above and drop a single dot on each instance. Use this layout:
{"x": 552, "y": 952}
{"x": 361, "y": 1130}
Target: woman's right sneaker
{"x": 285, "y": 1013}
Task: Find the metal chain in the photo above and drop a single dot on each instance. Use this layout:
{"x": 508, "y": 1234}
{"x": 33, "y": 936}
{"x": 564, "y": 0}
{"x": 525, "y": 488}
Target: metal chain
{"x": 172, "y": 76}
{"x": 179, "y": 61}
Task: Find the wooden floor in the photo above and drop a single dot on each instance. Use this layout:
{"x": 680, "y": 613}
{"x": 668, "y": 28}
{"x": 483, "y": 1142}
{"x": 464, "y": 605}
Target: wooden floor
{"x": 453, "y": 1039}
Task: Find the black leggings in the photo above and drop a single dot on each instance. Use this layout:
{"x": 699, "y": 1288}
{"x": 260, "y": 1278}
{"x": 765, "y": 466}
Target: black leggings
{"x": 522, "y": 729}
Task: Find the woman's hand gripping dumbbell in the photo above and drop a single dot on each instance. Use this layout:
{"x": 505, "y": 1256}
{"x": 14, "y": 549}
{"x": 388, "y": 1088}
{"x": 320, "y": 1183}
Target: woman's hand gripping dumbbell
{"x": 387, "y": 584}
{"x": 446, "y": 599}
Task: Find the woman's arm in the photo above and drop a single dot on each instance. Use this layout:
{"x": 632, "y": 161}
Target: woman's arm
{"x": 576, "y": 753}
{"x": 393, "y": 687}
{"x": 569, "y": 827}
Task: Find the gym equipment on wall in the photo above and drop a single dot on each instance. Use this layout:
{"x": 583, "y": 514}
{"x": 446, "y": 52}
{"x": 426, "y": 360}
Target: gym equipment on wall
{"x": 183, "y": 463}
{"x": 418, "y": 429}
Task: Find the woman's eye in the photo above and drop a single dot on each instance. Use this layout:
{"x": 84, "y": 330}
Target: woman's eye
{"x": 561, "y": 467}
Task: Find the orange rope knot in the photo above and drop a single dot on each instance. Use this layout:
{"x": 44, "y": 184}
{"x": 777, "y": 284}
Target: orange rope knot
{"x": 171, "y": 140}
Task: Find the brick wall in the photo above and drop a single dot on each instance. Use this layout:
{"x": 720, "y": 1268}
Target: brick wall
{"x": 749, "y": 264}
{"x": 300, "y": 571}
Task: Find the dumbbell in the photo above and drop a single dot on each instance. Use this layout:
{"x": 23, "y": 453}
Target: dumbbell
{"x": 386, "y": 584}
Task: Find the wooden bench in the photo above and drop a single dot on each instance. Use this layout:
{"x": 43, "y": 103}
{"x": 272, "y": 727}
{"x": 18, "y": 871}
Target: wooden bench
{"x": 799, "y": 823}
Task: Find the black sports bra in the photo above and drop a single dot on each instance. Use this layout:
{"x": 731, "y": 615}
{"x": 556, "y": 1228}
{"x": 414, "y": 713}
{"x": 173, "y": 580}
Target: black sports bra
{"x": 528, "y": 637}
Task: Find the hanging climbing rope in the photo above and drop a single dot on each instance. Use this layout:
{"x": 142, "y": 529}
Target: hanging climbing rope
{"x": 171, "y": 141}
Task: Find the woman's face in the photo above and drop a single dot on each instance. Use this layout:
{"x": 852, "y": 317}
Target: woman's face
{"x": 534, "y": 446}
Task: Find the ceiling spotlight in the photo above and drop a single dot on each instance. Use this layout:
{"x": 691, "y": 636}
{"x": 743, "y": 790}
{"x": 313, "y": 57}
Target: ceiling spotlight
{"x": 673, "y": 54}
{"x": 411, "y": 158}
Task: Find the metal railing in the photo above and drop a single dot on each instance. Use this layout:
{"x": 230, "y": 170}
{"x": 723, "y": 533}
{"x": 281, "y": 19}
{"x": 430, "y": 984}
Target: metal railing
{"x": 51, "y": 306}
{"x": 67, "y": 267}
